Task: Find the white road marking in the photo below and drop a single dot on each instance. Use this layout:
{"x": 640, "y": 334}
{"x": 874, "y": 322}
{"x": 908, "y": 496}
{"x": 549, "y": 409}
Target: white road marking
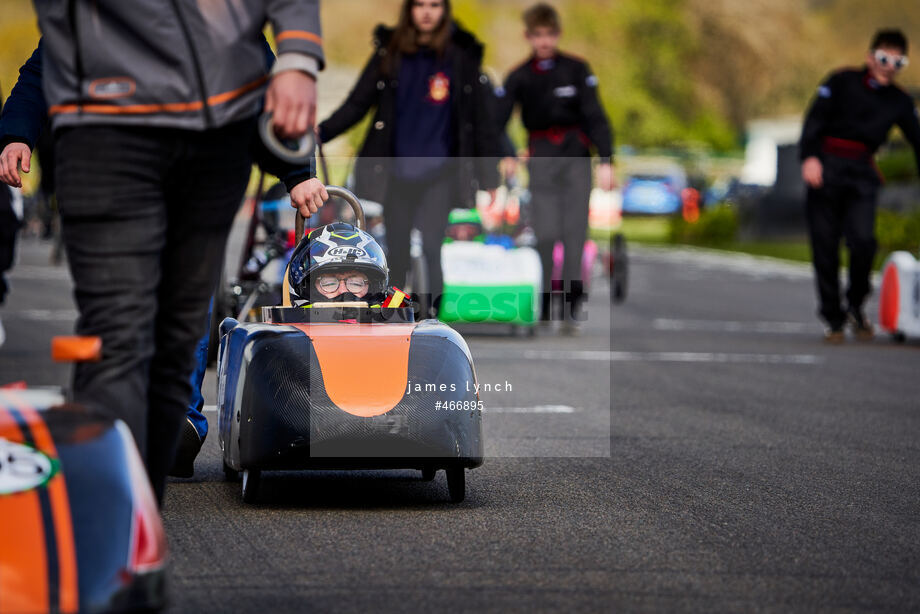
{"x": 35, "y": 272}
{"x": 694, "y": 357}
{"x": 43, "y": 315}
{"x": 719, "y": 357}
{"x": 722, "y": 326}
{"x": 536, "y": 409}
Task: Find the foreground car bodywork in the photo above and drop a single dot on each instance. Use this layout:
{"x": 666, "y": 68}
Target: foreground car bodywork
{"x": 79, "y": 526}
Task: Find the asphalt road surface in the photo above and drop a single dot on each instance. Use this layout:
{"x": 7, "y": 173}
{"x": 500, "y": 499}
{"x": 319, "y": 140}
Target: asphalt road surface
{"x": 707, "y": 453}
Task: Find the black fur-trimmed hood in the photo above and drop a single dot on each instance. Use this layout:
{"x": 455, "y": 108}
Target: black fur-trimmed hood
{"x": 463, "y": 39}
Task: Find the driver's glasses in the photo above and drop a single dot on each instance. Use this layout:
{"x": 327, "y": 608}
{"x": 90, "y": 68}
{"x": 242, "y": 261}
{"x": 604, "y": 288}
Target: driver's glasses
{"x": 886, "y": 59}
{"x": 331, "y": 283}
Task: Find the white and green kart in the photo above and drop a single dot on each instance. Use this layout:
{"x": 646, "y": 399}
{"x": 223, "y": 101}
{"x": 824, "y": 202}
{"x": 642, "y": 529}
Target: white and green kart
{"x": 490, "y": 283}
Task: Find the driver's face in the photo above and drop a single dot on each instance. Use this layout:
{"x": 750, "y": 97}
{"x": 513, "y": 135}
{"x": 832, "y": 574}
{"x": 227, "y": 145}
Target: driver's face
{"x": 333, "y": 285}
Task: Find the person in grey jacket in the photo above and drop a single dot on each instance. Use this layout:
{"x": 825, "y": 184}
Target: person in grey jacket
{"x": 153, "y": 107}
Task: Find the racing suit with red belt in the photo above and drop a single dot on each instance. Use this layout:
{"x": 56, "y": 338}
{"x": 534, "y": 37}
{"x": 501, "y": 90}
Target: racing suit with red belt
{"x": 848, "y": 121}
{"x": 562, "y": 113}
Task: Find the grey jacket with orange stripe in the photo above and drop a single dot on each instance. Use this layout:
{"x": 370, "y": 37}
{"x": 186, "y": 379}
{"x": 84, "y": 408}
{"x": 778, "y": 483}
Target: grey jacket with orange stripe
{"x": 174, "y": 63}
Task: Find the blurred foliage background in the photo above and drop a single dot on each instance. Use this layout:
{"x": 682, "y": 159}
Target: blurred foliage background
{"x": 18, "y": 37}
{"x": 672, "y": 72}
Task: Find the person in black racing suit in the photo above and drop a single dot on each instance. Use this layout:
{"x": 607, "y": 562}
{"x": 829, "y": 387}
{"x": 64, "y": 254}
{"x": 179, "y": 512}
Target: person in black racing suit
{"x": 562, "y": 113}
{"x": 848, "y": 121}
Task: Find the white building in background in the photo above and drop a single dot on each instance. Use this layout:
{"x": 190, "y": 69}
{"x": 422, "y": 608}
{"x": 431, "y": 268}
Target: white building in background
{"x": 764, "y": 136}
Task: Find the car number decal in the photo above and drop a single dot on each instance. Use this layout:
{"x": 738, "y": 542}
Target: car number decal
{"x": 24, "y": 468}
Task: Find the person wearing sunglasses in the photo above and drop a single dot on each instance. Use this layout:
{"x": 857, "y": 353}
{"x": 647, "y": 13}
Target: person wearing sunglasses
{"x": 848, "y": 121}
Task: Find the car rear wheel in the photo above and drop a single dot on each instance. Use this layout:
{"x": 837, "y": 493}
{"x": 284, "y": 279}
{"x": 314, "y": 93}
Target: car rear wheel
{"x": 231, "y": 474}
{"x": 456, "y": 484}
{"x": 251, "y": 480}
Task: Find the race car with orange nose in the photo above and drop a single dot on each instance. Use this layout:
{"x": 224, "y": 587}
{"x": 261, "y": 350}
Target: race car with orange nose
{"x": 342, "y": 376}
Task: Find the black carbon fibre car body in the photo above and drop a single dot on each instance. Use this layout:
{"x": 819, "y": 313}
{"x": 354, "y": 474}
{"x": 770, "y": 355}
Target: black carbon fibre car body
{"x": 347, "y": 388}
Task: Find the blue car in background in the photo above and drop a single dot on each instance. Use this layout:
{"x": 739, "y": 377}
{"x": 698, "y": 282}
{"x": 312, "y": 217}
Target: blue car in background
{"x": 654, "y": 192}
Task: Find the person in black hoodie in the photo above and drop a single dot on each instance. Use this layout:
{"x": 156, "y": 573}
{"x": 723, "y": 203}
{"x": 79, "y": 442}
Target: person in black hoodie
{"x": 433, "y": 139}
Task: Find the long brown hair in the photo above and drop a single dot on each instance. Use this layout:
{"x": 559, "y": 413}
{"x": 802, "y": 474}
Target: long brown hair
{"x": 405, "y": 36}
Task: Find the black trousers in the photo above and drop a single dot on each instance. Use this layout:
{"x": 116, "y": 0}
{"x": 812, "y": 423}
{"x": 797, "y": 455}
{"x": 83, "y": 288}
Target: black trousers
{"x": 145, "y": 215}
{"x": 844, "y": 208}
{"x": 9, "y": 227}
{"x": 560, "y": 189}
{"x": 425, "y": 205}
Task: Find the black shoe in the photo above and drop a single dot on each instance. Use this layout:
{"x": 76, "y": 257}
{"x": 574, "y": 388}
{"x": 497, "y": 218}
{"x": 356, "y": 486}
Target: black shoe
{"x": 860, "y": 324}
{"x": 189, "y": 446}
